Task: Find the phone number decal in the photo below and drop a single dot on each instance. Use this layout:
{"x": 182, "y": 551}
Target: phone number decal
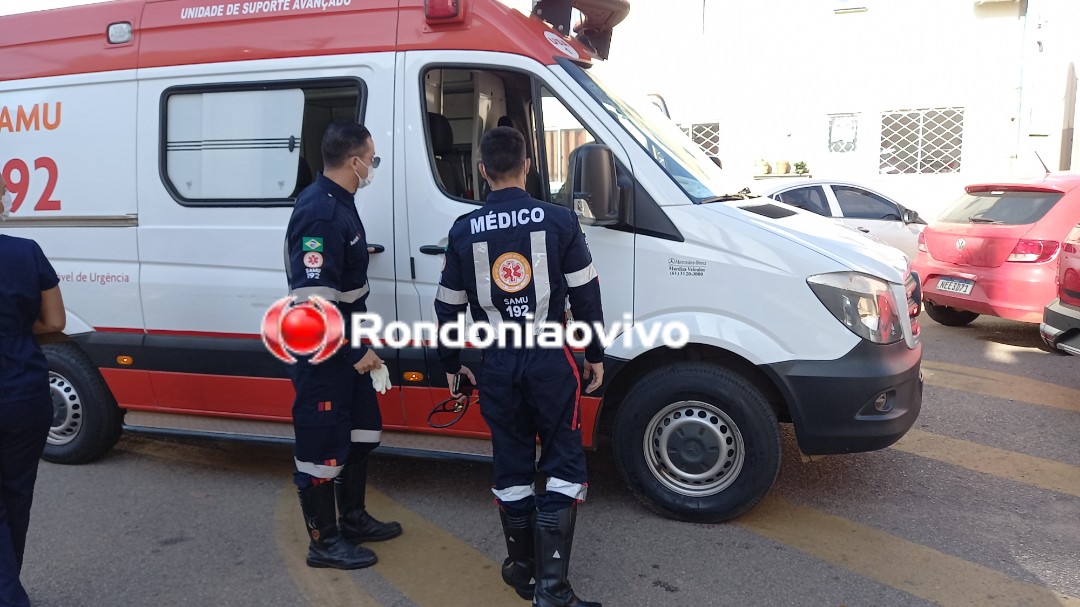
{"x": 694, "y": 268}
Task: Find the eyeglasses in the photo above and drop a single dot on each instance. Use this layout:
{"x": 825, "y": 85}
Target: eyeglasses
{"x": 374, "y": 162}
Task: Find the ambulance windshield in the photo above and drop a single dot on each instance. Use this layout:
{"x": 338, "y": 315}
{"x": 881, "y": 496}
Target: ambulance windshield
{"x": 668, "y": 145}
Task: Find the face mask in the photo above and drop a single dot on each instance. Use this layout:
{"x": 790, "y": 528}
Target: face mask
{"x": 365, "y": 182}
{"x": 6, "y": 201}
{"x": 370, "y": 173}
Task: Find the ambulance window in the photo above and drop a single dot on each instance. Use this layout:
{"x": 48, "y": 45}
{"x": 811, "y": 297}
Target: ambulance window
{"x": 249, "y": 144}
{"x": 563, "y": 133}
{"x": 461, "y": 105}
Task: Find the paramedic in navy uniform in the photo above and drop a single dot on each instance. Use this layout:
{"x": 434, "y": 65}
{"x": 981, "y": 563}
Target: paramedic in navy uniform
{"x": 336, "y": 415}
{"x": 30, "y": 303}
{"x": 514, "y": 260}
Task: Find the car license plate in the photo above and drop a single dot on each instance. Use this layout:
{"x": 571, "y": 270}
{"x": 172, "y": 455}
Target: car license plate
{"x": 955, "y": 285}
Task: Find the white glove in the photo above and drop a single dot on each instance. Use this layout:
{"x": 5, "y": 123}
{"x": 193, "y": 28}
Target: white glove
{"x": 380, "y": 379}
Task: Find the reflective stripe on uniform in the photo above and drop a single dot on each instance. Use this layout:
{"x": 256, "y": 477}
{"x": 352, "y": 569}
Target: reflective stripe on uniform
{"x": 574, "y": 490}
{"x": 581, "y": 277}
{"x": 451, "y": 297}
{"x": 317, "y": 470}
{"x": 541, "y": 280}
{"x": 482, "y": 270}
{"x": 515, "y": 493}
{"x": 305, "y": 293}
{"x": 365, "y": 436}
{"x": 354, "y": 295}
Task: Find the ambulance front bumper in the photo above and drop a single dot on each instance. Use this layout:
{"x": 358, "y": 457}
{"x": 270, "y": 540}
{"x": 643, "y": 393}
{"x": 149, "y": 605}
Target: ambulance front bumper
{"x": 863, "y": 401}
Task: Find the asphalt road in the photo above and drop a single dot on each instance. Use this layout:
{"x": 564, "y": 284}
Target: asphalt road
{"x": 978, "y": 505}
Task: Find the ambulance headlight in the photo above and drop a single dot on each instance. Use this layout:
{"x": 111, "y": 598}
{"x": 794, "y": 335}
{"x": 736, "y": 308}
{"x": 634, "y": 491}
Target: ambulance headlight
{"x": 864, "y": 304}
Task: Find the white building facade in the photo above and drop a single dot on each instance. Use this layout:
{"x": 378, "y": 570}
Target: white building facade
{"x": 915, "y": 97}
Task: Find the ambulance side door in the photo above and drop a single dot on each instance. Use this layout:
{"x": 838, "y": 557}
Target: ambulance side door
{"x": 450, "y": 100}
{"x": 226, "y": 152}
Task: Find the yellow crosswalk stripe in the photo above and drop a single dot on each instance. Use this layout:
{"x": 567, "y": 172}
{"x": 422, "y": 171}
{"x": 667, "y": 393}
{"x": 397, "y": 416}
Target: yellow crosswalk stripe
{"x": 321, "y": 587}
{"x": 427, "y": 564}
{"x": 1000, "y": 385}
{"x": 1026, "y": 469}
{"x": 431, "y": 566}
{"x": 929, "y": 574}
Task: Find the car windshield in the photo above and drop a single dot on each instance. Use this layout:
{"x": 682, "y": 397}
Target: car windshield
{"x": 665, "y": 142}
{"x": 1001, "y": 207}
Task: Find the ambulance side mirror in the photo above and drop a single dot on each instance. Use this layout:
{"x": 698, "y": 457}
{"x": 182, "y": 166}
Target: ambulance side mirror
{"x": 594, "y": 185}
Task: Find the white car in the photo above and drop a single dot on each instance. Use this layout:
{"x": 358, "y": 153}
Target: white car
{"x": 855, "y": 206}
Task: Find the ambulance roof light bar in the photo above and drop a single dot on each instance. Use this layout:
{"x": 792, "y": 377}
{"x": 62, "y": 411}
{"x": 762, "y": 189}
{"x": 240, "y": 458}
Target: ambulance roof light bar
{"x": 594, "y": 31}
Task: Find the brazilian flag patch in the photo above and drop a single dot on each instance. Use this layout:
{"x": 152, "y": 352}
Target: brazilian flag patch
{"x": 311, "y": 243}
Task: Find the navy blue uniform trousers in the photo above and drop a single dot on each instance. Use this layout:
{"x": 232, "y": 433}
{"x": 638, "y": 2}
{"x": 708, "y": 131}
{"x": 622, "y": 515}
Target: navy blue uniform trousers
{"x": 335, "y": 408}
{"x": 24, "y": 427}
{"x": 523, "y": 394}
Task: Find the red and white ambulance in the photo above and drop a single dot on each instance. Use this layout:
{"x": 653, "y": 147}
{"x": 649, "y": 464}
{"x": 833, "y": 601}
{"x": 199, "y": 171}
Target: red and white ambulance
{"x": 154, "y": 148}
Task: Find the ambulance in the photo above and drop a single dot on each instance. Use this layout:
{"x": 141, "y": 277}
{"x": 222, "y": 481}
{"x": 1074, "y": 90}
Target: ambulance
{"x": 155, "y": 147}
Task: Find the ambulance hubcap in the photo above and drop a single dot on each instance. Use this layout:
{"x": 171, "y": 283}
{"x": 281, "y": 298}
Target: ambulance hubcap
{"x": 67, "y": 410}
{"x": 694, "y": 448}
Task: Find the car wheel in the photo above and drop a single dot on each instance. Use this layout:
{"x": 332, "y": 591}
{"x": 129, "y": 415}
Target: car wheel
{"x": 697, "y": 442}
{"x": 950, "y": 317}
{"x": 86, "y": 420}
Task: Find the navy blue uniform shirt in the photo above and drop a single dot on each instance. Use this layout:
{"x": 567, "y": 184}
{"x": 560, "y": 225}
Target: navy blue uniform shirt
{"x": 24, "y": 274}
{"x": 326, "y": 253}
{"x": 515, "y": 260}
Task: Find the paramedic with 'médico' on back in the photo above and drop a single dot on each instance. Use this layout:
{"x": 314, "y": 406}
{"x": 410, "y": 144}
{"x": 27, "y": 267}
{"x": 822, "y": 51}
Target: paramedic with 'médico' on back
{"x": 510, "y": 272}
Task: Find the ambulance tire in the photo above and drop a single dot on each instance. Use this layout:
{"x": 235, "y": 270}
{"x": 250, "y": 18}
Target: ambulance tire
{"x": 87, "y": 422}
{"x": 697, "y": 442}
{"x": 950, "y": 317}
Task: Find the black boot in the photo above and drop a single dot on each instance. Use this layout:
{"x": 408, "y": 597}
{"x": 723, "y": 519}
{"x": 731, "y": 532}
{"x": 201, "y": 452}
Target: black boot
{"x": 355, "y": 523}
{"x": 328, "y": 548}
{"x": 554, "y": 538}
{"x": 519, "y": 568}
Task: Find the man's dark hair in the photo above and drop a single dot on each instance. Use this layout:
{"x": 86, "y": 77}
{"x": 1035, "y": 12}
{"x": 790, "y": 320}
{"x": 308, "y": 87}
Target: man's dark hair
{"x": 343, "y": 140}
{"x": 502, "y": 150}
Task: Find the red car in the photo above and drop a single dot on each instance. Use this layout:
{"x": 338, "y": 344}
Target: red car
{"x": 1060, "y": 327}
{"x": 995, "y": 250}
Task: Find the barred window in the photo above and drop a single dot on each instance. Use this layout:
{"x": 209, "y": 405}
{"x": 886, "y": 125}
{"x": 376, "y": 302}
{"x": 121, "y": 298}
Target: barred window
{"x": 705, "y": 134}
{"x": 922, "y": 140}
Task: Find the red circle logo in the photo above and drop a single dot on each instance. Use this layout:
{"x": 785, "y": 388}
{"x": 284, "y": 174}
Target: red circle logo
{"x": 314, "y": 327}
{"x": 303, "y": 329}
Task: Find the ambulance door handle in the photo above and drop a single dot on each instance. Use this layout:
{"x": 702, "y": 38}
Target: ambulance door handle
{"x": 432, "y": 249}
{"x": 375, "y": 248}
{"x": 864, "y": 230}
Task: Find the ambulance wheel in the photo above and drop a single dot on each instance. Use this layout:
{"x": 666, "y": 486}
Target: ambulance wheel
{"x": 950, "y": 317}
{"x": 697, "y": 442}
{"x": 86, "y": 420}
